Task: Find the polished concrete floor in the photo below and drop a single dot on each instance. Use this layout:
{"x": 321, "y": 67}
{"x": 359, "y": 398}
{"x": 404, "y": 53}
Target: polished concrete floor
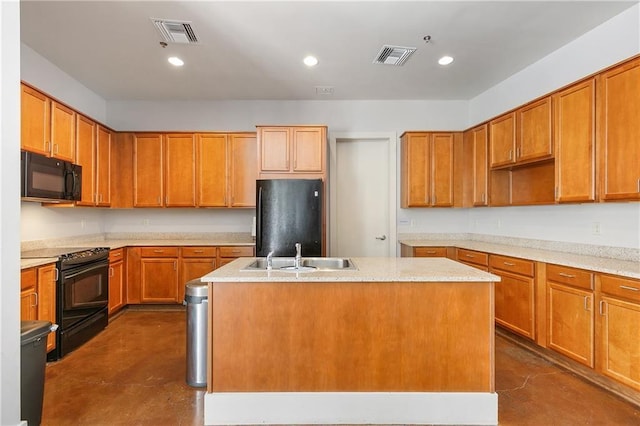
{"x": 133, "y": 373}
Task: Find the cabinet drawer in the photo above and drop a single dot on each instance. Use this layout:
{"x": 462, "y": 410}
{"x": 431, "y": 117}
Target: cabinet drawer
{"x": 475, "y": 257}
{"x": 159, "y": 251}
{"x": 116, "y": 255}
{"x": 430, "y": 252}
{"x": 198, "y": 251}
{"x": 512, "y": 264}
{"x": 622, "y": 287}
{"x": 236, "y": 251}
{"x": 27, "y": 278}
{"x": 570, "y": 276}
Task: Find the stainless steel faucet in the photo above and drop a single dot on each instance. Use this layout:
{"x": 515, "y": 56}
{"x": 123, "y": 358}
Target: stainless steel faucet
{"x": 270, "y": 260}
{"x": 298, "y": 259}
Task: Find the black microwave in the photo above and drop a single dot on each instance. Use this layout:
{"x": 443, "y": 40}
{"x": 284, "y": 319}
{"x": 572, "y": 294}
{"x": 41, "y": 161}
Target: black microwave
{"x": 49, "y": 179}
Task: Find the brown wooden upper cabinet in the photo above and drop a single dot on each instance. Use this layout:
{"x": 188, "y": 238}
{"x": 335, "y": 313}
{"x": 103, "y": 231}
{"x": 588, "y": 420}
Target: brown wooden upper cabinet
{"x": 574, "y": 131}
{"x": 47, "y": 127}
{"x": 522, "y": 136}
{"x": 427, "y": 169}
{"x": 226, "y": 169}
{"x": 93, "y": 153}
{"x": 618, "y": 106}
{"x": 292, "y": 149}
{"x": 476, "y": 148}
{"x": 164, "y": 170}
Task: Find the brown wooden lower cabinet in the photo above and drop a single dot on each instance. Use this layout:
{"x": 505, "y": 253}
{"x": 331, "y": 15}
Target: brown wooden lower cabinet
{"x": 570, "y": 304}
{"x": 514, "y": 294}
{"x": 117, "y": 288}
{"x": 159, "y": 274}
{"x": 473, "y": 258}
{"x": 38, "y": 297}
{"x": 159, "y": 277}
{"x": 618, "y": 338}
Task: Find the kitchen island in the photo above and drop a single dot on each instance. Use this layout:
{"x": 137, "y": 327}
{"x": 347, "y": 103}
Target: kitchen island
{"x": 397, "y": 340}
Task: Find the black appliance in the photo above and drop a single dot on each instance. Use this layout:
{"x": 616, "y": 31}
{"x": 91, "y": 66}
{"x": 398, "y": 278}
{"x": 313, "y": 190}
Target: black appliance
{"x": 82, "y": 294}
{"x": 49, "y": 179}
{"x": 289, "y": 211}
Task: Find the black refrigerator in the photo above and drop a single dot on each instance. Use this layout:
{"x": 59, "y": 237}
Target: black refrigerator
{"x": 289, "y": 211}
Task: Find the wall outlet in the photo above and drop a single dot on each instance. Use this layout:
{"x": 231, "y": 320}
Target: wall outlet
{"x": 404, "y": 222}
{"x": 145, "y": 222}
{"x": 499, "y": 223}
{"x": 83, "y": 223}
{"x": 595, "y": 228}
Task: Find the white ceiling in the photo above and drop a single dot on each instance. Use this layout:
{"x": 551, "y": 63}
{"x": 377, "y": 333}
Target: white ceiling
{"x": 254, "y": 50}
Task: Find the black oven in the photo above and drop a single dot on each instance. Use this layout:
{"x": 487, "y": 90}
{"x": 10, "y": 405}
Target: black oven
{"x": 82, "y": 295}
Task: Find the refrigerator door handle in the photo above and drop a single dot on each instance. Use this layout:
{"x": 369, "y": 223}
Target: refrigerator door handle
{"x": 259, "y": 220}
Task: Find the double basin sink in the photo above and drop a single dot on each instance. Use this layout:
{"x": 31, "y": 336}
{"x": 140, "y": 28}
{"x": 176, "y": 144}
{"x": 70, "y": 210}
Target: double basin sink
{"x": 307, "y": 264}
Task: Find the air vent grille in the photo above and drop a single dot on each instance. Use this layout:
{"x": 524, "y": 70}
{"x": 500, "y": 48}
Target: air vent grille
{"x": 393, "y": 55}
{"x": 173, "y": 31}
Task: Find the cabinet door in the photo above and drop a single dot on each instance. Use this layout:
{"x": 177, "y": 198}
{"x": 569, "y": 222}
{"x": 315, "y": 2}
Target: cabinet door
{"x": 619, "y": 132}
{"x": 193, "y": 268}
{"x": 619, "y": 343}
{"x": 309, "y": 146}
{"x": 274, "y": 149}
{"x": 47, "y": 299}
{"x": 35, "y": 121}
{"x": 534, "y": 131}
{"x": 442, "y": 169}
{"x": 159, "y": 280}
{"x": 502, "y": 140}
{"x": 571, "y": 322}
{"x": 28, "y": 295}
{"x": 116, "y": 286}
{"x": 212, "y": 169}
{"x": 574, "y": 127}
{"x": 148, "y": 188}
{"x": 415, "y": 169}
{"x": 103, "y": 167}
{"x": 63, "y": 132}
{"x": 243, "y": 170}
{"x": 180, "y": 170}
{"x": 514, "y": 300}
{"x": 480, "y": 160}
{"x": 86, "y": 157}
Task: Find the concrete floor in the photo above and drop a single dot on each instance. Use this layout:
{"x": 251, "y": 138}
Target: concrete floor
{"x": 133, "y": 373}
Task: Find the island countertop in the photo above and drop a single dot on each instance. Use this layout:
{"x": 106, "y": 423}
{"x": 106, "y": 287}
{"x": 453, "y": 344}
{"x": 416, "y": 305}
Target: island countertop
{"x": 369, "y": 269}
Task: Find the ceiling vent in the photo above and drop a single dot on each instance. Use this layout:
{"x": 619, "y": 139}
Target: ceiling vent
{"x": 175, "y": 31}
{"x": 393, "y": 55}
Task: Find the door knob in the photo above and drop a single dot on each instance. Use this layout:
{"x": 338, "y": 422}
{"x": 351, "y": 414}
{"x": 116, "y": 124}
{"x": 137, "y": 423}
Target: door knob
{"x": 381, "y": 238}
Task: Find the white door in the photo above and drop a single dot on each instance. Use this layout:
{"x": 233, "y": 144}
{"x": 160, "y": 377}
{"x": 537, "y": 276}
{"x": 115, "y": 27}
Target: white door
{"x": 362, "y": 195}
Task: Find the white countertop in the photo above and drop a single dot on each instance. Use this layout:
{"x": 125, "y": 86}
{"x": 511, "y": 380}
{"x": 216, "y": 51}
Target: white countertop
{"x": 626, "y": 268}
{"x": 369, "y": 269}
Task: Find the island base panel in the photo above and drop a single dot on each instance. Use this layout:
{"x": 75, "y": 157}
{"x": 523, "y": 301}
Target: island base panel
{"x": 351, "y": 408}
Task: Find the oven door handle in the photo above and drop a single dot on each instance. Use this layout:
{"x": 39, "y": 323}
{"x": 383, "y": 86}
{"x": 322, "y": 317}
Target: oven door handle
{"x": 84, "y": 271}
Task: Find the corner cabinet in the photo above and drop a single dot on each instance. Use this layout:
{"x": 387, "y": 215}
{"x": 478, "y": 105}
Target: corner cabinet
{"x": 476, "y": 166}
{"x": 618, "y": 106}
{"x": 291, "y": 150}
{"x": 427, "y": 169}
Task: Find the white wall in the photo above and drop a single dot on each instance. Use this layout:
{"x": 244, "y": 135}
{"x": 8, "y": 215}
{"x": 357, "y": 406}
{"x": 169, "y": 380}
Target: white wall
{"x": 44, "y": 75}
{"x": 9, "y": 213}
{"x": 609, "y": 43}
{"x": 340, "y": 116}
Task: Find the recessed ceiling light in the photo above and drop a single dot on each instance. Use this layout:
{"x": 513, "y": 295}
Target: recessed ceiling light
{"x": 310, "y": 61}
{"x": 175, "y": 61}
{"x": 445, "y": 60}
